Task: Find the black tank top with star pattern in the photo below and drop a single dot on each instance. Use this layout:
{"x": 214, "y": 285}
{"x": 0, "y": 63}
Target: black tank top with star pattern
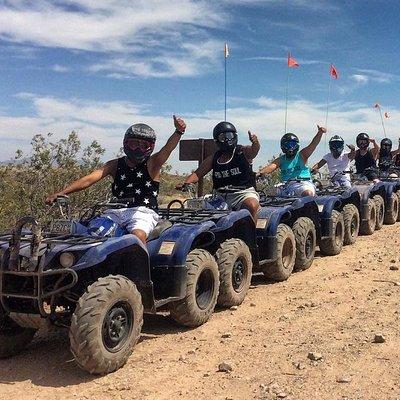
{"x": 136, "y": 183}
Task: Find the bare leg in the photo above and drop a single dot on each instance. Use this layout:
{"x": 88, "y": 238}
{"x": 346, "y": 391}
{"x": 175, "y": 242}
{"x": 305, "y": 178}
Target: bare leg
{"x": 140, "y": 234}
{"x": 253, "y": 206}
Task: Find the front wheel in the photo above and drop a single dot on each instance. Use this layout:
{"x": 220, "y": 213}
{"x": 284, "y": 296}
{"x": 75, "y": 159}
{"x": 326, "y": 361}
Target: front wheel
{"x": 306, "y": 240}
{"x": 106, "y": 324}
{"x": 367, "y": 226}
{"x": 351, "y": 218}
{"x": 392, "y": 212}
{"x": 380, "y": 211}
{"x": 282, "y": 268}
{"x": 235, "y": 270}
{"x": 202, "y": 287}
{"x": 13, "y": 338}
{"x": 333, "y": 245}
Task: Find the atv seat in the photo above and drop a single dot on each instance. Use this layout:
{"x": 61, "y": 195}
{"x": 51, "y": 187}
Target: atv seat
{"x": 162, "y": 226}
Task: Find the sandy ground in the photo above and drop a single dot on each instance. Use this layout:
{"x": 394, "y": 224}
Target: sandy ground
{"x": 333, "y": 310}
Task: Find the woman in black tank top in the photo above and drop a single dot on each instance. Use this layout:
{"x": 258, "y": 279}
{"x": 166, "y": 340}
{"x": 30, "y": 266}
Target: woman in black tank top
{"x": 231, "y": 165}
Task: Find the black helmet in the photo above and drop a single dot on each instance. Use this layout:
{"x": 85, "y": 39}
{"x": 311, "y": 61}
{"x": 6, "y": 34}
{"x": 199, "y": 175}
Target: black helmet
{"x": 290, "y": 144}
{"x": 140, "y": 131}
{"x": 362, "y": 140}
{"x": 139, "y": 152}
{"x": 386, "y": 144}
{"x": 336, "y": 145}
{"x": 225, "y": 136}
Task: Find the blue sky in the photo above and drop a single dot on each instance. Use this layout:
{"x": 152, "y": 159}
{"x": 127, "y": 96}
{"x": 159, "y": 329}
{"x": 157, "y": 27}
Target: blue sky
{"x": 99, "y": 66}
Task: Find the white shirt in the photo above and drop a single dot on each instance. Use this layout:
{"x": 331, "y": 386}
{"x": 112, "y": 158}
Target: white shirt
{"x": 339, "y": 164}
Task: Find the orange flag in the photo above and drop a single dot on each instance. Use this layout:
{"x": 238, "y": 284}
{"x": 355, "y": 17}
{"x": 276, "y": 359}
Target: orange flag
{"x": 386, "y": 115}
{"x": 333, "y": 71}
{"x": 291, "y": 62}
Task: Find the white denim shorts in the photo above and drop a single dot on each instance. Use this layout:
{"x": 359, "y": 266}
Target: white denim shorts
{"x": 142, "y": 218}
{"x": 235, "y": 200}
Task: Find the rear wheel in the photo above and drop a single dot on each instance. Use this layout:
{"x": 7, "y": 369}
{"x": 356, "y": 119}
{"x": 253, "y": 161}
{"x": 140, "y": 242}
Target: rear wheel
{"x": 306, "y": 239}
{"x": 13, "y": 338}
{"x": 367, "y": 227}
{"x": 333, "y": 245}
{"x": 351, "y": 218}
{"x": 380, "y": 211}
{"x": 392, "y": 212}
{"x": 282, "y": 268}
{"x": 106, "y": 324}
{"x": 235, "y": 271}
{"x": 201, "y": 290}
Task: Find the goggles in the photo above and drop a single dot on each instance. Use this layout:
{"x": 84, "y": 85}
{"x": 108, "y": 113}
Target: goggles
{"x": 226, "y": 136}
{"x": 143, "y": 145}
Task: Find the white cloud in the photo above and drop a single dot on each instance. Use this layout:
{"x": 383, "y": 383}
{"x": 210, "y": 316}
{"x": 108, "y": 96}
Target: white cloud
{"x": 373, "y": 75}
{"x": 60, "y": 68}
{"x": 149, "y": 38}
{"x": 360, "y": 79}
{"x": 107, "y": 122}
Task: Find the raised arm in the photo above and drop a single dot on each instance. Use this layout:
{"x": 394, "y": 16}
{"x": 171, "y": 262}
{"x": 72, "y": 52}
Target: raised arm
{"x": 395, "y": 152}
{"x": 317, "y": 166}
{"x": 375, "y": 149}
{"x": 204, "y": 168}
{"x": 251, "y": 152}
{"x": 307, "y": 151}
{"x": 160, "y": 158}
{"x": 352, "y": 154}
{"x": 268, "y": 169}
{"x": 108, "y": 168}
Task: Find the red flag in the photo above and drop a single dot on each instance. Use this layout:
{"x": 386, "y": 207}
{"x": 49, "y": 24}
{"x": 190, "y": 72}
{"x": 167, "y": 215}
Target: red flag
{"x": 291, "y": 62}
{"x": 333, "y": 71}
{"x": 386, "y": 115}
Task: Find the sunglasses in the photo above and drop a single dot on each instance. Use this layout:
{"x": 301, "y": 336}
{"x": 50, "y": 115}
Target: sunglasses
{"x": 141, "y": 144}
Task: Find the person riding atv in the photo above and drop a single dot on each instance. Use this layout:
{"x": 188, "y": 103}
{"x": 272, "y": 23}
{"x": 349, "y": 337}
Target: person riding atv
{"x": 231, "y": 165}
{"x": 135, "y": 176}
{"x": 365, "y": 158}
{"x": 387, "y": 155}
{"x": 337, "y": 161}
{"x": 292, "y": 164}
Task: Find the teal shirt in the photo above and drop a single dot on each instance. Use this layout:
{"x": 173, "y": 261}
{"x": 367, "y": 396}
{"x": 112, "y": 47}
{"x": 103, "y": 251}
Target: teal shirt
{"x": 293, "y": 168}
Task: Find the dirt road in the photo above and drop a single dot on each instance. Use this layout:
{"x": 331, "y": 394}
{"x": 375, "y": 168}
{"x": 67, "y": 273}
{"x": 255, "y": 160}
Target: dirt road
{"x": 333, "y": 310}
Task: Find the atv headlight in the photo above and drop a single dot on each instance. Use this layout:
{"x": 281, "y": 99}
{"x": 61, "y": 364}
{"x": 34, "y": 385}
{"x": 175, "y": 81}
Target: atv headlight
{"x": 166, "y": 248}
{"x": 67, "y": 260}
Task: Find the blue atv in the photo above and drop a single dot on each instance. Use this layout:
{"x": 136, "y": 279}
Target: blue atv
{"x": 287, "y": 234}
{"x": 96, "y": 280}
{"x": 375, "y": 199}
{"x": 340, "y": 218}
{"x": 391, "y": 181}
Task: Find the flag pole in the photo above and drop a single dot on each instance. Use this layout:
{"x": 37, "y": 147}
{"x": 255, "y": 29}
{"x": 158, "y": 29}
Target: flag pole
{"x": 383, "y": 125}
{"x": 286, "y": 96}
{"x": 225, "y": 84}
{"x": 327, "y": 109}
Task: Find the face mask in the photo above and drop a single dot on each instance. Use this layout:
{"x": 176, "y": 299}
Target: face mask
{"x": 336, "y": 152}
{"x": 386, "y": 149}
{"x": 138, "y": 150}
{"x": 227, "y": 141}
{"x": 290, "y": 148}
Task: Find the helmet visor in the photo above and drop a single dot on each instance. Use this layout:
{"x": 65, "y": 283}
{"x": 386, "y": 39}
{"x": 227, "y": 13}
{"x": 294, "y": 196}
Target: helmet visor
{"x": 336, "y": 145}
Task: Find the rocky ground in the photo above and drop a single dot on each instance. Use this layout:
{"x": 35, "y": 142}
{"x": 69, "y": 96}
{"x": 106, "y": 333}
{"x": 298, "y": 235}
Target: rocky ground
{"x": 331, "y": 332}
